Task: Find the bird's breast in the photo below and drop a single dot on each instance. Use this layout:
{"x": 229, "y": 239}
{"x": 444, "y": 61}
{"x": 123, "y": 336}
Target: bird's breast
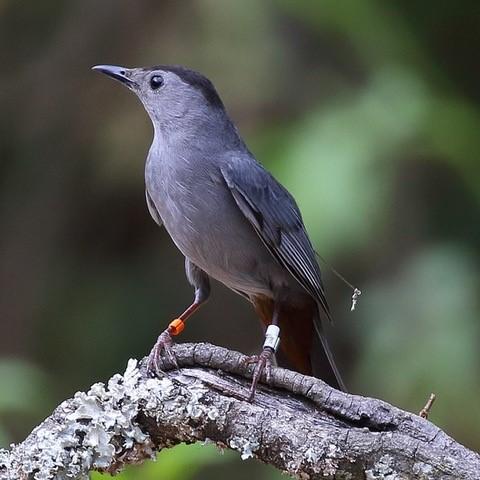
{"x": 202, "y": 218}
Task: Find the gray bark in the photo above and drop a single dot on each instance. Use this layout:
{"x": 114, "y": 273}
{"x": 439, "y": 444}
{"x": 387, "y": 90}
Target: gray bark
{"x": 298, "y": 424}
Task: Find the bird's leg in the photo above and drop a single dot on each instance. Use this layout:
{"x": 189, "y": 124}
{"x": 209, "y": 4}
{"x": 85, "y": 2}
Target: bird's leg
{"x": 264, "y": 360}
{"x": 164, "y": 343}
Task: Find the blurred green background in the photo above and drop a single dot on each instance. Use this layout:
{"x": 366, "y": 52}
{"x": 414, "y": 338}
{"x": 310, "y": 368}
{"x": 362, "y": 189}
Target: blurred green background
{"x": 368, "y": 111}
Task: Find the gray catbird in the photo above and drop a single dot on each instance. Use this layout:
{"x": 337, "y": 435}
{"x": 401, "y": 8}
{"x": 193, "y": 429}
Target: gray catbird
{"x": 230, "y": 218}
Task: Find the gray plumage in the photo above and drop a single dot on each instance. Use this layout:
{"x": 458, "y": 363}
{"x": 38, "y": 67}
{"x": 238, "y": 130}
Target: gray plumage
{"x": 228, "y": 216}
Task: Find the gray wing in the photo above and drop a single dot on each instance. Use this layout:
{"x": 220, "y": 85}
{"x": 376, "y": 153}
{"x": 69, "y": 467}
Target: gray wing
{"x": 277, "y": 220}
{"x": 153, "y": 209}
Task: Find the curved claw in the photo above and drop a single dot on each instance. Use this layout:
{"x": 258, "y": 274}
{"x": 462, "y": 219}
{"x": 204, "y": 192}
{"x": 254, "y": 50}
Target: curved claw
{"x": 263, "y": 365}
{"x": 161, "y": 351}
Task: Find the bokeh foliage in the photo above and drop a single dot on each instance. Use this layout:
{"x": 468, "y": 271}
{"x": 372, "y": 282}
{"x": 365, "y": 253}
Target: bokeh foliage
{"x": 367, "y": 111}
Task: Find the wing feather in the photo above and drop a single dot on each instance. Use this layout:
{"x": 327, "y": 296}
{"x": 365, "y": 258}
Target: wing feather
{"x": 153, "y": 209}
{"x": 273, "y": 213}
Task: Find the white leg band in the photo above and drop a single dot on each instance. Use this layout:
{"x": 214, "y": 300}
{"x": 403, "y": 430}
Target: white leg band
{"x": 272, "y": 337}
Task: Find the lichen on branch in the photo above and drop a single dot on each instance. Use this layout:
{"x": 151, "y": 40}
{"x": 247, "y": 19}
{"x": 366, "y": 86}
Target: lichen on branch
{"x": 301, "y": 426}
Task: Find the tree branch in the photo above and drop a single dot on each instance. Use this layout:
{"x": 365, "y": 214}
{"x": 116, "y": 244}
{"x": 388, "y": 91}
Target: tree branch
{"x": 298, "y": 424}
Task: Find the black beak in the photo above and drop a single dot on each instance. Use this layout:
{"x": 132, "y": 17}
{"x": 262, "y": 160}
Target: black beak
{"x": 117, "y": 73}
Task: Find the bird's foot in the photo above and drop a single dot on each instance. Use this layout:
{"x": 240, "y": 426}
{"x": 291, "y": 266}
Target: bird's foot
{"x": 263, "y": 365}
{"x": 162, "y": 351}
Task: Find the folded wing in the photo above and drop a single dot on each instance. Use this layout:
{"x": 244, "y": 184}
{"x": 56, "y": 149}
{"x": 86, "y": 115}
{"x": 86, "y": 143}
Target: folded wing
{"x": 273, "y": 213}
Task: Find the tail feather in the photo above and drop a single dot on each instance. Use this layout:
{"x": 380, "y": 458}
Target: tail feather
{"x": 327, "y": 353}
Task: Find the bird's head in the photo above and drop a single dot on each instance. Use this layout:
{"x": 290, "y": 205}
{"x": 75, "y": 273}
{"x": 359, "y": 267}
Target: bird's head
{"x": 172, "y": 95}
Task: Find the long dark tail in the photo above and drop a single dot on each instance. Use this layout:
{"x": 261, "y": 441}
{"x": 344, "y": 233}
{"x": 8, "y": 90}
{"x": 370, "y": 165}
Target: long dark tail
{"x": 320, "y": 348}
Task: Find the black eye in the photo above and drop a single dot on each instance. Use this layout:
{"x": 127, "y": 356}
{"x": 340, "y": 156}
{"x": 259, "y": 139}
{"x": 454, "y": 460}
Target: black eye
{"x": 156, "y": 82}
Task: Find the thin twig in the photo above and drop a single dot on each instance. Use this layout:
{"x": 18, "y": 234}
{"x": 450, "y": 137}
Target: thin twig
{"x": 424, "y": 412}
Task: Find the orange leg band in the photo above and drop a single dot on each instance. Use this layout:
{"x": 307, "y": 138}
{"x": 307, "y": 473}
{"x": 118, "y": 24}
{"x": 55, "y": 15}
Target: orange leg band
{"x": 176, "y": 326}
